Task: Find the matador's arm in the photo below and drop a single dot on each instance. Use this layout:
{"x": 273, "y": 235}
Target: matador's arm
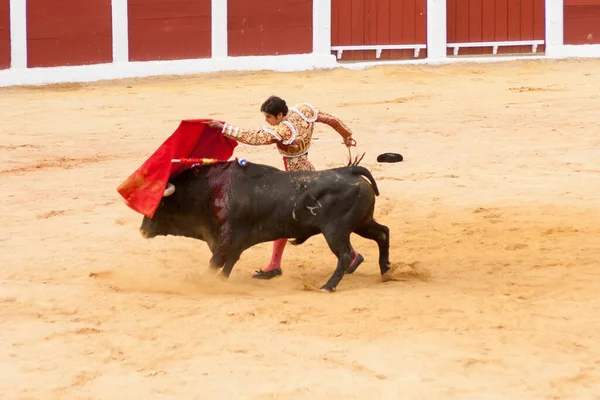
{"x": 335, "y": 123}
{"x": 256, "y": 137}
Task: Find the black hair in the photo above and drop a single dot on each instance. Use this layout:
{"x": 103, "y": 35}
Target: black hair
{"x": 274, "y": 105}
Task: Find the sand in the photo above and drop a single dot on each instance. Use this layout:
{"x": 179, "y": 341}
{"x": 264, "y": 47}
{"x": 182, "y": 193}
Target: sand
{"x": 494, "y": 238}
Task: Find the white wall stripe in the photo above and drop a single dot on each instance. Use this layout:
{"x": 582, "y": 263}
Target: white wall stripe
{"x": 219, "y": 28}
{"x": 321, "y": 27}
{"x": 436, "y": 29}
{"x": 18, "y": 34}
{"x": 554, "y": 26}
{"x": 120, "y": 31}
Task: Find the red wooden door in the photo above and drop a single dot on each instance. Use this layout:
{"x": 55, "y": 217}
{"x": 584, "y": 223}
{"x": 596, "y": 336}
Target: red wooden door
{"x": 68, "y": 32}
{"x": 378, "y": 22}
{"x": 582, "y": 22}
{"x": 269, "y": 27}
{"x": 169, "y": 29}
{"x": 470, "y": 21}
{"x": 4, "y": 34}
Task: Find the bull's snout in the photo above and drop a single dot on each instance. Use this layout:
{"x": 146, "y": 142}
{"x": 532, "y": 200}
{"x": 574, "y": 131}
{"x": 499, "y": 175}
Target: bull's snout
{"x": 144, "y": 233}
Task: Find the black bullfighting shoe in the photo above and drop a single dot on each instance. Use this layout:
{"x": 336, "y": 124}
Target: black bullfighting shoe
{"x": 355, "y": 265}
{"x": 260, "y": 274}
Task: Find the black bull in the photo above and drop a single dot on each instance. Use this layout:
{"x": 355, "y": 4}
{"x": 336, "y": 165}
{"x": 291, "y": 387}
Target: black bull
{"x": 233, "y": 207}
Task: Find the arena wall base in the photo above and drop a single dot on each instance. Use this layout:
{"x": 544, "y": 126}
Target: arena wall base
{"x": 576, "y": 51}
{"x": 440, "y": 61}
{"x": 90, "y": 73}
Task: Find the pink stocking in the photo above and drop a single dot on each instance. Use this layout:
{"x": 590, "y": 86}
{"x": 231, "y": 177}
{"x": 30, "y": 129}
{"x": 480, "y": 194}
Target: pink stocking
{"x": 355, "y": 256}
{"x": 278, "y": 247}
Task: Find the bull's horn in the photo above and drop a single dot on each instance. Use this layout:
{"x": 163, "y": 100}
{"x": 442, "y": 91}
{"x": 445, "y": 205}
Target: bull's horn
{"x": 169, "y": 190}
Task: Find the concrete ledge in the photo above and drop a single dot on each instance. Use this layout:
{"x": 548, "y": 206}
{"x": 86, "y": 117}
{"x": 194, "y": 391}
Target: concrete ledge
{"x": 90, "y": 73}
{"x": 287, "y": 63}
{"x": 575, "y": 51}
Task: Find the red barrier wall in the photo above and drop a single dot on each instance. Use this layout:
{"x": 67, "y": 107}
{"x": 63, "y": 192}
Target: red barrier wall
{"x": 495, "y": 21}
{"x": 68, "y": 32}
{"x": 269, "y": 27}
{"x": 582, "y": 22}
{"x": 373, "y": 22}
{"x": 4, "y": 34}
{"x": 169, "y": 29}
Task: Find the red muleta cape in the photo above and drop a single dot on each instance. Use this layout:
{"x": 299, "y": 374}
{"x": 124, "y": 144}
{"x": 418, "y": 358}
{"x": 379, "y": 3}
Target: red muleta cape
{"x": 143, "y": 189}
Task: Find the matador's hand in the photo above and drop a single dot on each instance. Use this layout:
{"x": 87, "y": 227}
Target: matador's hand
{"x": 214, "y": 124}
{"x": 349, "y": 142}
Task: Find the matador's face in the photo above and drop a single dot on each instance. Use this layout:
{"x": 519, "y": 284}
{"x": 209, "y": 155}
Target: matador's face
{"x": 272, "y": 119}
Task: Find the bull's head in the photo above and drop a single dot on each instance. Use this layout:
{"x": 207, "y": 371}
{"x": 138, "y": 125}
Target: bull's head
{"x": 162, "y": 221}
{"x": 187, "y": 207}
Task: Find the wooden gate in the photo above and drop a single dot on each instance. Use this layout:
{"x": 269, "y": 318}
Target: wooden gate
{"x": 168, "y": 29}
{"x": 269, "y": 27}
{"x": 495, "y": 26}
{"x": 379, "y": 29}
{"x": 582, "y": 22}
{"x": 68, "y": 32}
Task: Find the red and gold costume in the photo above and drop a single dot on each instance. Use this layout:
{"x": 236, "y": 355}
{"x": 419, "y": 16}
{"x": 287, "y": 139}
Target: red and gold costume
{"x": 292, "y": 136}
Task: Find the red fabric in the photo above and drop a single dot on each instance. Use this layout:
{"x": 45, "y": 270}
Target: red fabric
{"x": 143, "y": 189}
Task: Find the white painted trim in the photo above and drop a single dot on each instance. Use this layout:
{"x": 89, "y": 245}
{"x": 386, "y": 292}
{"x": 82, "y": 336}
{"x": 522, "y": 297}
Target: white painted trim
{"x": 554, "y": 26}
{"x": 89, "y": 73}
{"x": 436, "y": 29}
{"x": 533, "y": 43}
{"x": 442, "y": 61}
{"x": 577, "y": 51}
{"x": 321, "y": 27}
{"x": 379, "y": 48}
{"x": 219, "y": 32}
{"x": 18, "y": 34}
{"x": 120, "y": 31}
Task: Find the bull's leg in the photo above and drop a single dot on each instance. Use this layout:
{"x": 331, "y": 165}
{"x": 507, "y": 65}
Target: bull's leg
{"x": 380, "y": 234}
{"x": 220, "y": 250}
{"x": 232, "y": 258}
{"x": 217, "y": 261}
{"x": 339, "y": 243}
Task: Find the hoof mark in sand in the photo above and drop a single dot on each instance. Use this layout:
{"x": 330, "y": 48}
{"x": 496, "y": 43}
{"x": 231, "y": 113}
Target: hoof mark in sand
{"x": 58, "y": 162}
{"x": 354, "y": 366}
{"x": 53, "y": 213}
{"x": 523, "y": 89}
{"x": 397, "y": 100}
{"x": 488, "y": 214}
{"x": 514, "y": 247}
{"x": 407, "y": 272}
{"x": 19, "y": 146}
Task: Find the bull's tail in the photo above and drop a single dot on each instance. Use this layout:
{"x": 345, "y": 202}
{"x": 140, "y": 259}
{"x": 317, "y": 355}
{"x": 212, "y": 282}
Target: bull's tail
{"x": 358, "y": 170}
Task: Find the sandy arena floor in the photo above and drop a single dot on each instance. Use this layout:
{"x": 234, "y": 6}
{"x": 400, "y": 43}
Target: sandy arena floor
{"x": 495, "y": 240}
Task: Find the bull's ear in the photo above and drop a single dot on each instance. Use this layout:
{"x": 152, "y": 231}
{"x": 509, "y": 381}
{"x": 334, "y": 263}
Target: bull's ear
{"x": 169, "y": 190}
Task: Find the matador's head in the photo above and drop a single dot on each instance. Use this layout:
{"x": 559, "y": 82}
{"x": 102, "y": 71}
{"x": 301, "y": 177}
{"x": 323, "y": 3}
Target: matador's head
{"x": 274, "y": 109}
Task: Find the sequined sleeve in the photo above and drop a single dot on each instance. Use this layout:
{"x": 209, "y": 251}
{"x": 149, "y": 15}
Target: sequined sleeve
{"x": 257, "y": 137}
{"x": 335, "y": 123}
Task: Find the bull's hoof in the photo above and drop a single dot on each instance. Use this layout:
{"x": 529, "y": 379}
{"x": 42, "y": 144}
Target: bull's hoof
{"x": 386, "y": 269}
{"x": 386, "y": 277}
{"x": 223, "y": 276}
{"x": 354, "y": 266}
{"x": 326, "y": 289}
{"x": 260, "y": 274}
